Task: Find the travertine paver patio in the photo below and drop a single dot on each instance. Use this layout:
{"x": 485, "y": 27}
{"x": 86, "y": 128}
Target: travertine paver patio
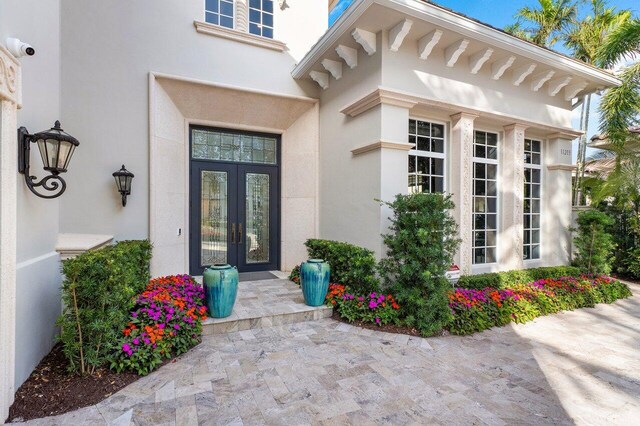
{"x": 577, "y": 367}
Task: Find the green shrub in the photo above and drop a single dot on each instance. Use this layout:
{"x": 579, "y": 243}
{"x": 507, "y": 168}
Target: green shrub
{"x": 476, "y": 310}
{"x": 420, "y": 249}
{"x": 98, "y": 292}
{"x": 507, "y": 279}
{"x": 350, "y": 265}
{"x": 593, "y": 243}
{"x": 631, "y": 264}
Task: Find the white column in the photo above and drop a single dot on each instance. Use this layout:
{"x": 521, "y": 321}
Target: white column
{"x": 512, "y": 192}
{"x": 242, "y": 16}
{"x": 556, "y": 200}
{"x": 460, "y": 183}
{"x": 9, "y": 102}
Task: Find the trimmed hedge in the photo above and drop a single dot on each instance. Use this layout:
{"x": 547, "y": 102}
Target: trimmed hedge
{"x": 98, "y": 291}
{"x": 477, "y": 310}
{"x": 500, "y": 280}
{"x": 350, "y": 265}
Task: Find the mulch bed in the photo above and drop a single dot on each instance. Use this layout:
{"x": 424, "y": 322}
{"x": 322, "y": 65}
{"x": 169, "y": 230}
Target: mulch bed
{"x": 388, "y": 328}
{"x": 51, "y": 390}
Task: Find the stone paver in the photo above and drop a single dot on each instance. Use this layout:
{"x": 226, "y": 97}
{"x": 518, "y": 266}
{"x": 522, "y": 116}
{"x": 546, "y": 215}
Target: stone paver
{"x": 577, "y": 367}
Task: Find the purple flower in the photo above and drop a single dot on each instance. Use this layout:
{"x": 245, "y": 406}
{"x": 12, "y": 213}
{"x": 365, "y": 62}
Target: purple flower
{"x": 136, "y": 341}
{"x": 378, "y": 320}
{"x": 126, "y": 348}
{"x": 176, "y": 326}
{"x": 373, "y": 304}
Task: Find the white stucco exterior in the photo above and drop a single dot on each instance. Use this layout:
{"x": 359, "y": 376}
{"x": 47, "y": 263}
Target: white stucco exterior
{"x": 127, "y": 80}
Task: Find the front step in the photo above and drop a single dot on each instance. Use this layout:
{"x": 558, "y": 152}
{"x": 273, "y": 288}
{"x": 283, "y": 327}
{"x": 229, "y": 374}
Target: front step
{"x": 265, "y": 303}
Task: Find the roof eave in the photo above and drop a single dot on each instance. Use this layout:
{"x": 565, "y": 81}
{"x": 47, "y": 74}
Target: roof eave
{"x": 455, "y": 22}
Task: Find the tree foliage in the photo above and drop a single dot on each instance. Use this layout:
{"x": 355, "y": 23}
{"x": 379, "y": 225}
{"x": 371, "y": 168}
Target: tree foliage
{"x": 420, "y": 249}
{"x": 593, "y": 243}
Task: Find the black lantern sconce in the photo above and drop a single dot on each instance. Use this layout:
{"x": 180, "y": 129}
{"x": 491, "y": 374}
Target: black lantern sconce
{"x": 123, "y": 179}
{"x": 56, "y": 149}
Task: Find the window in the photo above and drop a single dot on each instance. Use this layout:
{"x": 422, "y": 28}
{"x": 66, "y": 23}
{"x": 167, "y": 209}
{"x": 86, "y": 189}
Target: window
{"x": 485, "y": 197}
{"x": 219, "y": 12}
{"x": 426, "y": 159}
{"x": 226, "y": 146}
{"x": 532, "y": 199}
{"x": 261, "y": 17}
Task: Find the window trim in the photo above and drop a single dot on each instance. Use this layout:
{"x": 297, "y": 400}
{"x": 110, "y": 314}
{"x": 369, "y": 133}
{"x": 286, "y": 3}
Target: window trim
{"x": 543, "y": 149}
{"x": 487, "y": 266}
{"x": 444, "y": 156}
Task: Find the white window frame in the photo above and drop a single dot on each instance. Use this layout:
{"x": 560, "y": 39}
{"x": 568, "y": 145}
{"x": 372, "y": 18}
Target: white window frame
{"x": 233, "y": 17}
{"x": 429, "y": 154}
{"x": 486, "y": 266}
{"x": 261, "y": 25}
{"x": 540, "y": 198}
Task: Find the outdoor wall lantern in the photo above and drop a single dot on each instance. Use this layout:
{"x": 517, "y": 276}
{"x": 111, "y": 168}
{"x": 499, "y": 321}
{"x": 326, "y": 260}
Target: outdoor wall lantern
{"x": 123, "y": 179}
{"x": 56, "y": 148}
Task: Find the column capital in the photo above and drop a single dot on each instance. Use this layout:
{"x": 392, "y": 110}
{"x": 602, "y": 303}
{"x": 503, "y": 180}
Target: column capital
{"x": 515, "y": 126}
{"x": 564, "y": 135}
{"x": 461, "y": 115}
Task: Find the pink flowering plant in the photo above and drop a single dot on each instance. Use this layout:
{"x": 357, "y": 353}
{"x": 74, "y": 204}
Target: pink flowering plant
{"x": 166, "y": 321}
{"x": 476, "y": 310}
{"x": 374, "y": 307}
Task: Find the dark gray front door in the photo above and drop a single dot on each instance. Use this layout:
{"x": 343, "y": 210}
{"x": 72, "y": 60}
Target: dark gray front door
{"x": 234, "y": 201}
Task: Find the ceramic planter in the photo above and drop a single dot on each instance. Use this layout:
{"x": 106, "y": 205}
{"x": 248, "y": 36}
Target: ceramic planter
{"x": 220, "y": 289}
{"x": 314, "y": 280}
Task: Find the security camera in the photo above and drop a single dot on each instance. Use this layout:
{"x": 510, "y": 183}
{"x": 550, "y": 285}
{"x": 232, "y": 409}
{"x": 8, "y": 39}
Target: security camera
{"x": 19, "y": 48}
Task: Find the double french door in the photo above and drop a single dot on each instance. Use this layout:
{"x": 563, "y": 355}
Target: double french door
{"x": 234, "y": 208}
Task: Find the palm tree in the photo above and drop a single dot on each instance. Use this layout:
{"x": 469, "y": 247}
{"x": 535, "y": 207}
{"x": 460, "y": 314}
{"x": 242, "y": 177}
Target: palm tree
{"x": 620, "y": 106}
{"x": 548, "y": 21}
{"x": 583, "y": 38}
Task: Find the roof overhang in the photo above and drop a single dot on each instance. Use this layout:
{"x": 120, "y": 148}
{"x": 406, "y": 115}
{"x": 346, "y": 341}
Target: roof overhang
{"x": 451, "y": 22}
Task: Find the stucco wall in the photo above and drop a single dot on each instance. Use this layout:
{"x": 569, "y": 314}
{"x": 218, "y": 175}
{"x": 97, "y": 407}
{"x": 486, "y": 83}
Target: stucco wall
{"x": 105, "y": 90}
{"x": 38, "y": 275}
{"x": 350, "y": 184}
{"x": 405, "y": 71}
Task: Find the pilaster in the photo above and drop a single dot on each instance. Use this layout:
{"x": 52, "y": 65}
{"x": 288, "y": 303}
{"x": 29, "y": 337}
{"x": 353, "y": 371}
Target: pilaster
{"x": 556, "y": 201}
{"x": 512, "y": 192}
{"x": 242, "y": 16}
{"x": 460, "y": 183}
{"x": 10, "y": 95}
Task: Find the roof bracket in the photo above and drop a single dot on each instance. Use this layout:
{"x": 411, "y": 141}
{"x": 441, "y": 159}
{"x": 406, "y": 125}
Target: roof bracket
{"x": 398, "y": 33}
{"x": 348, "y": 54}
{"x": 366, "y": 39}
{"x": 428, "y": 42}
{"x": 453, "y": 52}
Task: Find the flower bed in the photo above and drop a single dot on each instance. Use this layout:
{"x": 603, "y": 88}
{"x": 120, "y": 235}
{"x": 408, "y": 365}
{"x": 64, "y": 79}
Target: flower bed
{"x": 166, "y": 322}
{"x": 377, "y": 308}
{"x": 476, "y": 310}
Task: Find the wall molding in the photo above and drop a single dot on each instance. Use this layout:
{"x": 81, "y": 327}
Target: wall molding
{"x": 386, "y": 96}
{"x": 242, "y": 37}
{"x": 402, "y": 146}
{"x": 566, "y": 167}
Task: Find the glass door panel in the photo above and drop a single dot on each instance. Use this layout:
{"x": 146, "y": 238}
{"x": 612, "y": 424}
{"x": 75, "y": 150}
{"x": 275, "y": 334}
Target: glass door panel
{"x": 257, "y": 218}
{"x": 214, "y": 217}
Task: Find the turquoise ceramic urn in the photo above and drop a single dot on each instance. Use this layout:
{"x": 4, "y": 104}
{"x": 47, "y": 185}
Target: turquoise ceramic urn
{"x": 220, "y": 289}
{"x": 314, "y": 280}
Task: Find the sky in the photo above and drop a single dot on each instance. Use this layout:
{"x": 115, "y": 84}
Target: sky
{"x": 500, "y": 13}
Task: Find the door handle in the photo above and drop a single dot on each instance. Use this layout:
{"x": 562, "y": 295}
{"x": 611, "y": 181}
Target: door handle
{"x": 240, "y": 233}
{"x": 233, "y": 233}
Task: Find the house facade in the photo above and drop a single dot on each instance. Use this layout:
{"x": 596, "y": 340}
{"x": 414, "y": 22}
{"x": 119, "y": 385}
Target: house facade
{"x": 251, "y": 126}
